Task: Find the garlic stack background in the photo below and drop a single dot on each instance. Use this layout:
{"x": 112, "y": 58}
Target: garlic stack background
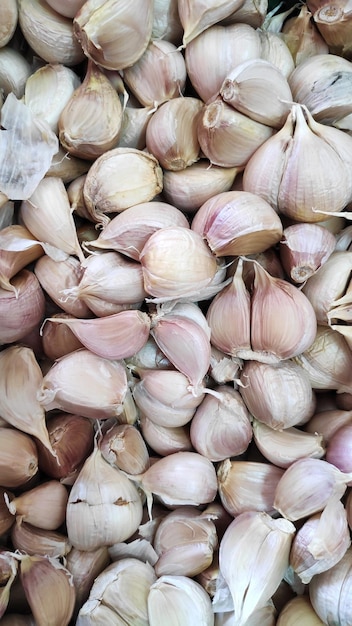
{"x": 175, "y": 313}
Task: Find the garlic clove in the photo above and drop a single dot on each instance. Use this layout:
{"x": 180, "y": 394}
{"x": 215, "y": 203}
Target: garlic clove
{"x": 249, "y": 12}
{"x": 123, "y": 446}
{"x": 274, "y": 49}
{"x": 6, "y": 518}
{"x": 22, "y": 308}
{"x": 304, "y": 248}
{"x": 86, "y": 384}
{"x": 58, "y": 339}
{"x": 14, "y": 71}
{"x": 43, "y": 506}
{"x": 112, "y": 337}
{"x": 300, "y": 608}
{"x": 180, "y": 599}
{"x": 165, "y": 440}
{"x": 95, "y": 99}
{"x": 333, "y": 606}
{"x": 17, "y": 470}
{"x": 84, "y": 568}
{"x": 149, "y": 357}
{"x": 18, "y": 248}
{"x": 67, "y": 167}
{"x": 166, "y": 21}
{"x": 302, "y": 37}
{"x": 33, "y": 540}
{"x": 68, "y": 8}
{"x": 8, "y": 573}
{"x": 49, "y": 589}
{"x": 198, "y": 16}
{"x": 104, "y": 505}
{"x": 114, "y": 50}
{"x": 9, "y": 21}
{"x": 284, "y": 447}
{"x": 327, "y": 422}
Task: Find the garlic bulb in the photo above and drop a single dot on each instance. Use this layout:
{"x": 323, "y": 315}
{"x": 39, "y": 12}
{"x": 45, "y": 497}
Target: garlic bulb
{"x": 302, "y": 186}
{"x": 180, "y": 600}
{"x": 104, "y": 506}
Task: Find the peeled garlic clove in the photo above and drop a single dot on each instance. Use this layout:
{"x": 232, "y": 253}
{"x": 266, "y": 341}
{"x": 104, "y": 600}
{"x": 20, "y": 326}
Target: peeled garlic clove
{"x": 257, "y": 81}
{"x": 18, "y": 248}
{"x": 16, "y": 470}
{"x": 304, "y": 248}
{"x": 113, "y": 337}
{"x": 196, "y": 16}
{"x": 221, "y": 427}
{"x": 165, "y": 440}
{"x": 284, "y": 447}
{"x": 294, "y": 404}
{"x": 181, "y": 599}
{"x": 329, "y": 592}
{"x": 9, "y": 21}
{"x": 176, "y": 263}
{"x": 20, "y": 370}
{"x": 48, "y": 33}
{"x": 296, "y": 499}
{"x": 227, "y": 137}
{"x": 104, "y": 506}
{"x": 22, "y": 308}
{"x": 90, "y": 123}
{"x": 171, "y": 134}
{"x": 253, "y": 558}
{"x": 49, "y": 589}
{"x": 119, "y": 179}
{"x": 158, "y": 75}
{"x": 86, "y": 384}
{"x": 237, "y": 223}
{"x": 299, "y": 608}
{"x": 123, "y": 446}
{"x": 48, "y": 90}
{"x": 43, "y": 506}
{"x": 114, "y": 50}
{"x": 14, "y": 71}
{"x": 33, "y": 540}
{"x": 84, "y": 568}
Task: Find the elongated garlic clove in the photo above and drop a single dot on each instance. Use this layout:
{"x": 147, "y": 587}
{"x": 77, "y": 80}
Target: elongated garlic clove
{"x": 333, "y": 606}
{"x": 20, "y": 370}
{"x": 18, "y": 248}
{"x": 302, "y": 37}
{"x": 110, "y": 187}
{"x": 48, "y": 33}
{"x": 123, "y": 446}
{"x": 165, "y": 440}
{"x": 257, "y": 81}
{"x": 49, "y": 589}
{"x": 58, "y": 339}
{"x": 227, "y": 137}
{"x": 95, "y": 99}
{"x": 112, "y": 337}
{"x": 295, "y": 499}
{"x": 68, "y": 8}
{"x": 17, "y": 470}
{"x": 93, "y": 23}
{"x": 253, "y": 558}
{"x": 221, "y": 427}
{"x": 198, "y": 16}
{"x": 304, "y": 248}
{"x": 33, "y": 540}
{"x": 57, "y": 276}
{"x": 299, "y": 608}
{"x": 321, "y": 542}
{"x": 86, "y": 384}
{"x": 284, "y": 447}
{"x": 84, "y": 568}
{"x": 328, "y": 422}
{"x": 43, "y": 506}
{"x": 104, "y": 506}
{"x": 179, "y": 599}
{"x": 22, "y": 308}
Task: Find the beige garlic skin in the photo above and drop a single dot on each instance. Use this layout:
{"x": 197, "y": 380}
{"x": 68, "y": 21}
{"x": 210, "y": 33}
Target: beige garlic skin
{"x": 84, "y": 568}
{"x": 18, "y": 248}
{"x": 55, "y": 277}
{"x": 284, "y": 447}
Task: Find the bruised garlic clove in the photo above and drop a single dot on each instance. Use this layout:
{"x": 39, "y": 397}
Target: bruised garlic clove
{"x": 296, "y": 498}
{"x": 257, "y": 81}
{"x": 86, "y": 384}
{"x": 304, "y": 248}
{"x": 247, "y": 486}
{"x": 165, "y": 440}
{"x": 17, "y": 469}
{"x": 48, "y": 588}
{"x": 104, "y": 506}
{"x": 58, "y": 339}
{"x": 221, "y": 427}
{"x": 57, "y": 276}
{"x": 284, "y": 447}
{"x": 182, "y": 599}
{"x": 33, "y": 540}
{"x": 48, "y": 33}
{"x": 113, "y": 337}
{"x": 114, "y": 50}
{"x": 43, "y": 506}
{"x": 119, "y": 179}
{"x": 18, "y": 248}
{"x": 237, "y": 223}
{"x": 253, "y": 558}
{"x": 294, "y": 404}
{"x": 90, "y": 123}
{"x": 22, "y": 308}
{"x": 123, "y": 446}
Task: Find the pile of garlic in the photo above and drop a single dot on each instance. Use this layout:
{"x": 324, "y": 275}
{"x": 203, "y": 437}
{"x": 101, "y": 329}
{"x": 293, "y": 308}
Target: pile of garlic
{"x": 175, "y": 313}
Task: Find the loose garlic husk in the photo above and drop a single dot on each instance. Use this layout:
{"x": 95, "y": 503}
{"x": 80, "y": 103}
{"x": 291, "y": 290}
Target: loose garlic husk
{"x": 48, "y": 91}
{"x": 237, "y": 223}
{"x": 321, "y": 542}
{"x": 18, "y": 248}
{"x": 334, "y": 606}
{"x": 197, "y": 16}
{"x": 302, "y": 36}
{"x": 48, "y": 33}
{"x": 284, "y": 447}
{"x": 86, "y": 384}
{"x": 307, "y": 486}
{"x": 20, "y": 370}
{"x": 21, "y": 309}
{"x": 223, "y": 368}
{"x": 171, "y": 134}
{"x": 227, "y": 137}
{"x": 90, "y": 123}
{"x": 321, "y": 189}
{"x": 181, "y": 599}
{"x": 93, "y": 26}
{"x": 9, "y": 21}
{"x": 104, "y": 506}
{"x": 43, "y": 506}
{"x": 123, "y": 446}
{"x": 16, "y": 470}
{"x": 108, "y": 187}
{"x": 185, "y": 541}
{"x": 258, "y": 81}
{"x": 33, "y": 540}
{"x": 253, "y": 558}
{"x": 298, "y": 608}
{"x": 304, "y": 248}
{"x": 114, "y": 337}
{"x": 165, "y": 440}
{"x": 221, "y": 427}
{"x": 247, "y": 486}
{"x": 55, "y": 226}
{"x": 48, "y": 588}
